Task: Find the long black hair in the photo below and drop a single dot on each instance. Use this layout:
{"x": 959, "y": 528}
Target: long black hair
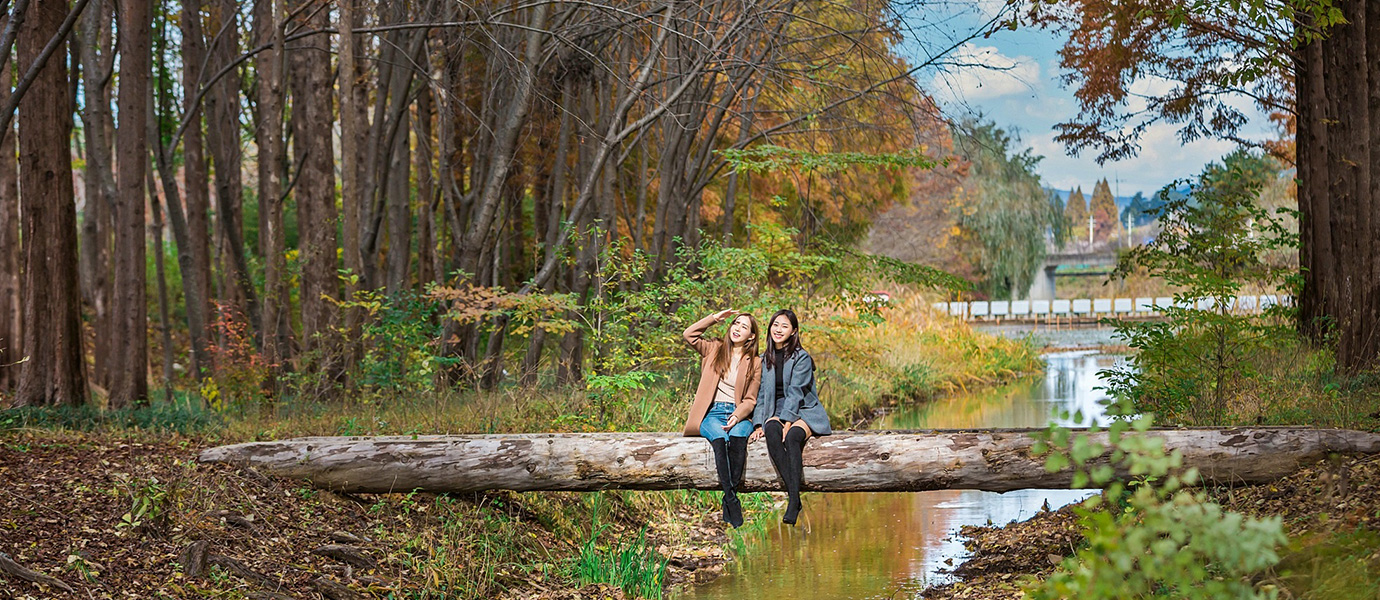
{"x": 791, "y": 346}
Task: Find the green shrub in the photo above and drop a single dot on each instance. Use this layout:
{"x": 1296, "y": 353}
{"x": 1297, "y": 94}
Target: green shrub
{"x": 1214, "y": 244}
{"x": 1149, "y": 536}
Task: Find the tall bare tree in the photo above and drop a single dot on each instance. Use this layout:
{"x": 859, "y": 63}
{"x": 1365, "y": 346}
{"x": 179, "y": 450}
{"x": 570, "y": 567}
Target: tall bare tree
{"x": 196, "y": 273}
{"x": 54, "y": 373}
{"x": 130, "y": 307}
{"x": 268, "y": 133}
{"x": 95, "y": 44}
{"x": 314, "y": 158}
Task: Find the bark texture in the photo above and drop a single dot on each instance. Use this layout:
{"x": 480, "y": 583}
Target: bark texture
{"x": 53, "y": 373}
{"x": 310, "y": 80}
{"x": 990, "y": 460}
{"x": 129, "y": 324}
{"x": 11, "y": 321}
{"x": 1339, "y": 193}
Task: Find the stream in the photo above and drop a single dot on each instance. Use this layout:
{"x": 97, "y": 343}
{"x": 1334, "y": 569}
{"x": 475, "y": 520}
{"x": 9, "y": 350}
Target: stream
{"x": 893, "y": 545}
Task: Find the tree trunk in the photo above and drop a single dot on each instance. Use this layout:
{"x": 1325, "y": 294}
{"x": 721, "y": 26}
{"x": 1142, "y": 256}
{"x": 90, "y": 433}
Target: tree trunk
{"x": 990, "y": 460}
{"x": 353, "y": 124}
{"x": 1338, "y": 194}
{"x": 315, "y": 187}
{"x": 398, "y": 203}
{"x": 129, "y": 376}
{"x": 11, "y": 309}
{"x": 183, "y": 234}
{"x": 54, "y": 373}
{"x": 94, "y": 47}
{"x": 164, "y": 323}
{"x": 429, "y": 269}
{"x": 223, "y": 136}
{"x": 268, "y": 132}
{"x": 196, "y": 272}
{"x": 1315, "y": 237}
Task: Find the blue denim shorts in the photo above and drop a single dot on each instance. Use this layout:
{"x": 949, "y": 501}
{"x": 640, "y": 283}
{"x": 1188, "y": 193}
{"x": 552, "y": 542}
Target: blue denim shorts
{"x": 712, "y": 427}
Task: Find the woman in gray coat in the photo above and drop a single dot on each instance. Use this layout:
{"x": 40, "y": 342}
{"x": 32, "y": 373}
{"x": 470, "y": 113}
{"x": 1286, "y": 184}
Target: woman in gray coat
{"x": 788, "y": 411}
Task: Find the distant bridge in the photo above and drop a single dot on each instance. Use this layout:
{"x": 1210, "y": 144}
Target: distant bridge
{"x": 1092, "y": 309}
{"x": 1069, "y": 264}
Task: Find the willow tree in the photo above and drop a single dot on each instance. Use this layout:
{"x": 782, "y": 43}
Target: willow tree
{"x": 1003, "y": 209}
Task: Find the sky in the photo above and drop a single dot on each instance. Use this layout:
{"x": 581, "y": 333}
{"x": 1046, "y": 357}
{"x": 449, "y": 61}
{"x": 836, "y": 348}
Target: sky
{"x": 1026, "y": 96}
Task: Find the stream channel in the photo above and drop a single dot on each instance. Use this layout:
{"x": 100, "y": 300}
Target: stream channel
{"x": 893, "y": 545}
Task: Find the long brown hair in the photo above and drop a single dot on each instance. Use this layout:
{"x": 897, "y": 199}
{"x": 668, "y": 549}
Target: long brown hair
{"x": 725, "y": 352}
{"x": 790, "y": 346}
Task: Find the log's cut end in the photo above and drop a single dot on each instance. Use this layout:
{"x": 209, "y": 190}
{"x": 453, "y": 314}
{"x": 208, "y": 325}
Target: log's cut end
{"x": 996, "y": 460}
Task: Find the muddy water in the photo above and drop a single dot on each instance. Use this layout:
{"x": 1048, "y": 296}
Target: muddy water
{"x": 891, "y": 545}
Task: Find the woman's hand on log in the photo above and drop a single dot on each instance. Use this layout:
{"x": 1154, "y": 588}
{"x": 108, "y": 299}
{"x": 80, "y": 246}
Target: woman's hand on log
{"x": 756, "y": 434}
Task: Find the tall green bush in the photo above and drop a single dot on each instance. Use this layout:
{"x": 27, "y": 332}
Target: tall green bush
{"x": 1213, "y": 247}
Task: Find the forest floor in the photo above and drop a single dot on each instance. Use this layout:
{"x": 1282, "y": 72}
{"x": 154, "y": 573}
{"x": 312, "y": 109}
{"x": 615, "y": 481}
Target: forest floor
{"x": 1330, "y": 511}
{"x": 100, "y": 516}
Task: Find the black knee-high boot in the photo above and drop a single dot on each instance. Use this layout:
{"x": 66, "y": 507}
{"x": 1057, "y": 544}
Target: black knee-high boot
{"x": 733, "y": 511}
{"x": 794, "y": 447}
{"x": 776, "y": 448}
{"x": 737, "y": 460}
{"x": 737, "y": 464}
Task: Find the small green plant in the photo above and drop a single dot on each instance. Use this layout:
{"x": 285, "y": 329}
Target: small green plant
{"x": 1215, "y": 243}
{"x": 1148, "y": 535}
{"x": 147, "y": 513}
{"x": 632, "y": 567}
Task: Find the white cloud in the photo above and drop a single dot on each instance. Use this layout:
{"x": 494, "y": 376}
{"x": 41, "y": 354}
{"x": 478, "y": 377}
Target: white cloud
{"x": 983, "y": 72}
{"x": 1161, "y": 161}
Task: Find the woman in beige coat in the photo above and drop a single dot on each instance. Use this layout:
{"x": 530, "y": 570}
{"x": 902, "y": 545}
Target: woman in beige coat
{"x": 730, "y": 372}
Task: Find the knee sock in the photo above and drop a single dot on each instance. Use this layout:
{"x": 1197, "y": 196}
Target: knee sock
{"x": 794, "y": 446}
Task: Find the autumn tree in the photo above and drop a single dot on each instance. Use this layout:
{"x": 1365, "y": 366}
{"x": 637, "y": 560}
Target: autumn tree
{"x": 1312, "y": 63}
{"x": 494, "y": 147}
{"x": 1076, "y": 214}
{"x": 1104, "y": 212}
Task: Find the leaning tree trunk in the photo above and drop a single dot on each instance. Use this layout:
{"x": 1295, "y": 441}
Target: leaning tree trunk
{"x": 53, "y": 373}
{"x": 129, "y": 314}
{"x": 902, "y": 461}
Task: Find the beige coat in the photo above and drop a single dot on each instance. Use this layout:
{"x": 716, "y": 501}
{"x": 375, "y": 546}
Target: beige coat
{"x": 745, "y": 387}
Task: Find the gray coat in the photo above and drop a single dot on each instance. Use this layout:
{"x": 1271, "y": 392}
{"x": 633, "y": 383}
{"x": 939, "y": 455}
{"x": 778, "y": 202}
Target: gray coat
{"x": 800, "y": 400}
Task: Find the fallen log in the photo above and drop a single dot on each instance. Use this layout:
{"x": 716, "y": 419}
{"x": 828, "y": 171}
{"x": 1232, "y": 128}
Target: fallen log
{"x": 881, "y": 461}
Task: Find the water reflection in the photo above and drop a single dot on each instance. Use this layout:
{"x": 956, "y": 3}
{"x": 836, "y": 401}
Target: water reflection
{"x": 872, "y": 546}
{"x": 1069, "y": 385}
